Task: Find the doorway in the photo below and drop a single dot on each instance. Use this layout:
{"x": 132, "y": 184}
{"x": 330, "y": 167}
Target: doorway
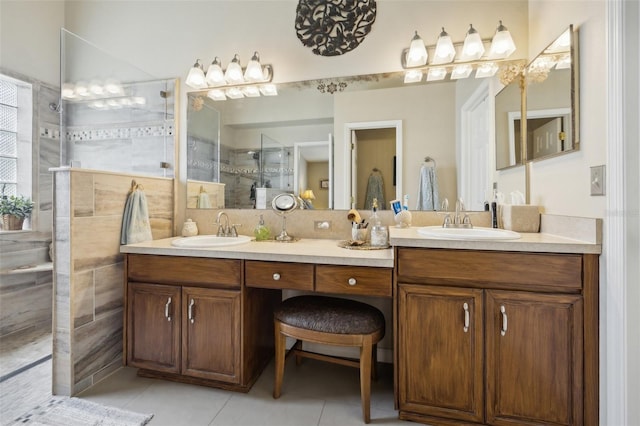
{"x": 375, "y": 153}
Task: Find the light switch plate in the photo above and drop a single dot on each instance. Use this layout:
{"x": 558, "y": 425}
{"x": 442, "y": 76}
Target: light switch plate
{"x": 597, "y": 180}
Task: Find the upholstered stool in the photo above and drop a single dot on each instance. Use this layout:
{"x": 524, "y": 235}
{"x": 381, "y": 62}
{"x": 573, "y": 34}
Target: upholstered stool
{"x": 330, "y": 321}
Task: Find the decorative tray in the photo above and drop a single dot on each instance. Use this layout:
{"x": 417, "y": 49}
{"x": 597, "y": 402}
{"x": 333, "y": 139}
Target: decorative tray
{"x": 360, "y": 245}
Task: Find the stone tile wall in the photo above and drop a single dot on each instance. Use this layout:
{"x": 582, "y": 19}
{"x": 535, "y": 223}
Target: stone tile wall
{"x": 26, "y": 279}
{"x": 89, "y": 277}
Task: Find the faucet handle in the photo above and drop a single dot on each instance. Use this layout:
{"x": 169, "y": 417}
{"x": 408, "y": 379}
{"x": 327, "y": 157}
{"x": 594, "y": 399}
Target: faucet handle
{"x": 233, "y": 232}
{"x": 445, "y": 205}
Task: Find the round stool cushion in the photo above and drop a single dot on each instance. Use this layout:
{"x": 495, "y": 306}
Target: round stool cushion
{"x": 330, "y": 315}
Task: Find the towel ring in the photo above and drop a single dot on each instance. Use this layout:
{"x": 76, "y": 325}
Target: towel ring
{"x": 428, "y": 159}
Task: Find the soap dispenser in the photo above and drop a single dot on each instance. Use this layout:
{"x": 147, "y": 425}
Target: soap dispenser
{"x": 379, "y": 232}
{"x": 261, "y": 231}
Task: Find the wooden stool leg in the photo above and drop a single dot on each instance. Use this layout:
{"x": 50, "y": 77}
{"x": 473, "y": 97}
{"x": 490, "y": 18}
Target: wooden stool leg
{"x": 374, "y": 362}
{"x": 280, "y": 347}
{"x": 365, "y": 378}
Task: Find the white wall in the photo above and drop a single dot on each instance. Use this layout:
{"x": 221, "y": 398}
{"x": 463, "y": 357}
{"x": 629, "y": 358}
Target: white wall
{"x": 569, "y": 174}
{"x": 30, "y": 38}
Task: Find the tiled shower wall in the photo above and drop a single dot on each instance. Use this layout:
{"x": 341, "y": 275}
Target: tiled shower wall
{"x": 88, "y": 299}
{"x": 25, "y": 272}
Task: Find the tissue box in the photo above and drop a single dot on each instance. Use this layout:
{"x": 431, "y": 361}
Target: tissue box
{"x": 521, "y": 218}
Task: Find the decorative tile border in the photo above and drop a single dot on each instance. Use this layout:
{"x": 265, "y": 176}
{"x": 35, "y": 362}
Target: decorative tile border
{"x": 94, "y": 134}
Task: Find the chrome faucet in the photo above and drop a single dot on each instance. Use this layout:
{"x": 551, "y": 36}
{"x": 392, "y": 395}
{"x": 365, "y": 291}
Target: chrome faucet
{"x": 459, "y": 221}
{"x": 224, "y": 229}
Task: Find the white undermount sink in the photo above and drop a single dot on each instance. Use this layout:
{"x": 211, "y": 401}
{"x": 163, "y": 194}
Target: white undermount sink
{"x": 205, "y": 241}
{"x": 468, "y": 234}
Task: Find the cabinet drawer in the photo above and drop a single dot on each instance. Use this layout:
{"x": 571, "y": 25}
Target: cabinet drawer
{"x": 196, "y": 271}
{"x": 528, "y": 271}
{"x": 354, "y": 280}
{"x": 297, "y": 276}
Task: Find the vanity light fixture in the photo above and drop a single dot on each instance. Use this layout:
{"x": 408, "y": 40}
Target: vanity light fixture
{"x": 234, "y": 82}
{"x": 417, "y": 54}
{"x": 100, "y": 95}
{"x": 461, "y": 71}
{"x": 233, "y": 74}
{"x": 502, "y": 45}
{"x": 473, "y": 47}
{"x": 196, "y": 78}
{"x": 483, "y": 56}
{"x": 413, "y": 76}
{"x": 215, "y": 75}
{"x": 445, "y": 52}
{"x": 437, "y": 73}
{"x": 488, "y": 69}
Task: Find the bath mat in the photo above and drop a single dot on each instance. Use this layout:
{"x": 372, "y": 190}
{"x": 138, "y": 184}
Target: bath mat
{"x": 64, "y": 411}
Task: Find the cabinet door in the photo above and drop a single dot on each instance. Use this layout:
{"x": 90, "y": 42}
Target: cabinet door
{"x": 211, "y": 334}
{"x": 153, "y": 327}
{"x": 440, "y": 352}
{"x": 534, "y": 358}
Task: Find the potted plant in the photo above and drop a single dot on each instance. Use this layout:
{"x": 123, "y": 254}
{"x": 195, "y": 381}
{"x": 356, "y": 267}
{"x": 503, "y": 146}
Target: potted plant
{"x": 13, "y": 210}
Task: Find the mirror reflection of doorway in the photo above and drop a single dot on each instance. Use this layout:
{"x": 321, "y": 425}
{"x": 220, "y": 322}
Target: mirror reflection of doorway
{"x": 376, "y": 158}
{"x": 313, "y": 176}
{"x": 374, "y": 164}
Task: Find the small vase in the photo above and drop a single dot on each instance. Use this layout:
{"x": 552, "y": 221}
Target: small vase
{"x": 11, "y": 222}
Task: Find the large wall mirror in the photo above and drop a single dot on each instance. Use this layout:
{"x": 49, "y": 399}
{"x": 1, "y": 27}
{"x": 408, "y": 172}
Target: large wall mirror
{"x": 295, "y": 142}
{"x": 552, "y": 99}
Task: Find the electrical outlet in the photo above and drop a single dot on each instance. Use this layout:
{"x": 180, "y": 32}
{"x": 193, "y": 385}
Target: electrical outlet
{"x": 322, "y": 225}
{"x": 597, "y": 180}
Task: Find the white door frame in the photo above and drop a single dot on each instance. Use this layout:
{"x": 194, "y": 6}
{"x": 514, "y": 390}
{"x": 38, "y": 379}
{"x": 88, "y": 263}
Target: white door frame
{"x": 367, "y": 125}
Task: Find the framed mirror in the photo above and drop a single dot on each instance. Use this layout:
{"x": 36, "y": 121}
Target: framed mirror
{"x": 552, "y": 101}
{"x": 319, "y": 112}
{"x": 508, "y": 116}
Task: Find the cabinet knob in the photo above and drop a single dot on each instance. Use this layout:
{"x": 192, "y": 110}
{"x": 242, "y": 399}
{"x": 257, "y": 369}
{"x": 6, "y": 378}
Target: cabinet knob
{"x": 352, "y": 281}
{"x": 276, "y": 277}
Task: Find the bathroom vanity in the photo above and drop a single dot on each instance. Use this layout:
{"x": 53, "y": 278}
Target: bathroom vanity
{"x": 484, "y": 332}
{"x": 205, "y": 316}
{"x": 497, "y": 333}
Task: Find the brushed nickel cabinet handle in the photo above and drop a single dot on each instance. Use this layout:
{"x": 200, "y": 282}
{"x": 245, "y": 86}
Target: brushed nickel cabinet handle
{"x": 352, "y": 281}
{"x": 465, "y": 306}
{"x": 276, "y": 277}
{"x": 190, "y": 314}
{"x": 166, "y": 310}
{"x": 503, "y": 311}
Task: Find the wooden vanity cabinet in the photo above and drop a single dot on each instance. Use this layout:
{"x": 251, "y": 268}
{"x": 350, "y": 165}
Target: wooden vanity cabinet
{"x": 189, "y": 319}
{"x": 496, "y": 338}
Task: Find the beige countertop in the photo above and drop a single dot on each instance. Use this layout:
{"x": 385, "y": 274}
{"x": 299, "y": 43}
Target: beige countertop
{"x": 304, "y": 251}
{"x": 530, "y": 242}
{"x": 570, "y": 235}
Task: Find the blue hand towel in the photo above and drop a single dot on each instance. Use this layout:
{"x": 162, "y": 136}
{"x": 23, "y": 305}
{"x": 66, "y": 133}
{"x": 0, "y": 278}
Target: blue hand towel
{"x": 136, "y": 227}
{"x": 427, "y": 189}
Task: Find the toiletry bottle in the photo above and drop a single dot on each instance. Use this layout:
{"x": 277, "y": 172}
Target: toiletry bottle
{"x": 261, "y": 232}
{"x": 379, "y": 232}
{"x": 494, "y": 210}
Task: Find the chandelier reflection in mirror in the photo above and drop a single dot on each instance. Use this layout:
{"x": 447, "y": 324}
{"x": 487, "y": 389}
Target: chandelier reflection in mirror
{"x": 235, "y": 82}
{"x": 458, "y": 60}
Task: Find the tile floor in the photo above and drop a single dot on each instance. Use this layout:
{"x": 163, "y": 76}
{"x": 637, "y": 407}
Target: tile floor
{"x": 314, "y": 393}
